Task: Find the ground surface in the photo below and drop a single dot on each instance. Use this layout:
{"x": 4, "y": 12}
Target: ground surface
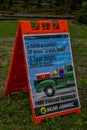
{"x": 15, "y": 111}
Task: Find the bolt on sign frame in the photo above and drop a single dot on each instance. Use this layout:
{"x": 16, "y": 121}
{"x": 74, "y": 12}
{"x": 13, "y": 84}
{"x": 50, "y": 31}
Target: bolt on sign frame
{"x": 42, "y": 64}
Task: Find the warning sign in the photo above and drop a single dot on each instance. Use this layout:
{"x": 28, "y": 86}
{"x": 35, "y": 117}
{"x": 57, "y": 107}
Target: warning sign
{"x": 42, "y": 64}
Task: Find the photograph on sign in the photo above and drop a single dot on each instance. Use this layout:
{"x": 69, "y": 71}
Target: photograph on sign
{"x": 51, "y": 73}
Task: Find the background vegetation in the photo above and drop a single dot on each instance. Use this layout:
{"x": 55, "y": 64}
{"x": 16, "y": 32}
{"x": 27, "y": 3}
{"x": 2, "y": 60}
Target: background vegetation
{"x": 15, "y": 113}
{"x": 82, "y": 14}
{"x": 29, "y": 6}
{"x": 77, "y": 8}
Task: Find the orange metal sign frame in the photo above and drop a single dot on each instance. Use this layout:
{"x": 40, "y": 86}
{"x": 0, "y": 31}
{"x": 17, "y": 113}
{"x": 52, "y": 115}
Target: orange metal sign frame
{"x": 18, "y": 73}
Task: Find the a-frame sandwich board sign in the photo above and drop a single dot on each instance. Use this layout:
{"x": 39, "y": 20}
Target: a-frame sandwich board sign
{"x": 42, "y": 64}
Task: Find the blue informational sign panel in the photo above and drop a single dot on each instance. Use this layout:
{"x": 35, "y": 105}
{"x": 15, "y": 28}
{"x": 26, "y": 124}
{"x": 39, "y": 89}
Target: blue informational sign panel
{"x": 51, "y": 73}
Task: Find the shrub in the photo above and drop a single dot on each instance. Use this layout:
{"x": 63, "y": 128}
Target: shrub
{"x": 82, "y": 14}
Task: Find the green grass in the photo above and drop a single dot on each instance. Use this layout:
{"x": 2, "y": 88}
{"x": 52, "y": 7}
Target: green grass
{"x": 8, "y": 28}
{"x": 15, "y": 113}
{"x": 78, "y": 31}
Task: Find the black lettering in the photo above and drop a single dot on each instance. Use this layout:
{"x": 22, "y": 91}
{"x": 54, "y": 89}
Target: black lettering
{"x": 41, "y": 102}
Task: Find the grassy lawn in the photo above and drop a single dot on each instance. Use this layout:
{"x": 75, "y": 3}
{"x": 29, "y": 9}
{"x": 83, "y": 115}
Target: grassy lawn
{"x": 15, "y": 113}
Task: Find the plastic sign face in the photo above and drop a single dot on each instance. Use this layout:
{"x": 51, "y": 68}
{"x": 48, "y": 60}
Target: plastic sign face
{"x": 51, "y": 74}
